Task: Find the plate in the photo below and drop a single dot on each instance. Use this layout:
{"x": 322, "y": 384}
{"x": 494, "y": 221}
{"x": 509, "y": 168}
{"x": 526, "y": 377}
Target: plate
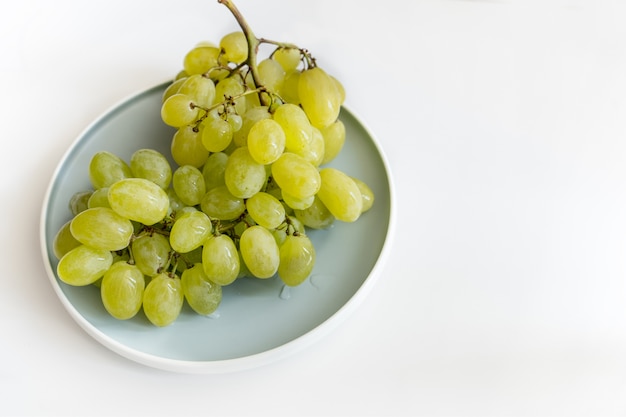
{"x": 258, "y": 321}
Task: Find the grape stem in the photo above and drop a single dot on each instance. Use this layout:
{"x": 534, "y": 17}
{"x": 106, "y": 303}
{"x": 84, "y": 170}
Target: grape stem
{"x": 253, "y": 47}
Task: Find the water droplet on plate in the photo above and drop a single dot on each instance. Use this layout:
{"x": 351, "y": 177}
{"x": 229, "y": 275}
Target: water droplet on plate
{"x": 285, "y": 293}
{"x": 214, "y": 315}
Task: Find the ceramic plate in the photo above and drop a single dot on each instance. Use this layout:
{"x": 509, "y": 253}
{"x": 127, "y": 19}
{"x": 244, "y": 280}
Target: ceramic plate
{"x": 258, "y": 321}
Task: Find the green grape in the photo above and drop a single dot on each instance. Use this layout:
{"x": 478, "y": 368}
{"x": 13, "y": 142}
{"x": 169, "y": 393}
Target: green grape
{"x": 179, "y": 110}
{"x": 235, "y": 47}
{"x": 279, "y": 234}
{"x": 243, "y": 176}
{"x": 265, "y": 210}
{"x": 201, "y": 59}
{"x": 266, "y": 141}
{"x": 202, "y": 294}
{"x": 243, "y": 269}
{"x": 341, "y": 91}
{"x": 297, "y": 259}
{"x": 213, "y": 170}
{"x": 102, "y": 228}
{"x": 334, "y": 138}
{"x": 163, "y": 299}
{"x": 340, "y": 195}
{"x": 139, "y": 199}
{"x": 64, "y": 241}
{"x": 187, "y": 147}
{"x": 319, "y": 97}
{"x": 188, "y": 259}
{"x": 190, "y": 231}
{"x": 151, "y": 253}
{"x": 271, "y": 74}
{"x": 188, "y": 183}
{"x": 366, "y": 193}
{"x": 83, "y": 265}
{"x": 172, "y": 88}
{"x": 259, "y": 251}
{"x": 175, "y": 202}
{"x": 106, "y": 168}
{"x": 298, "y": 130}
{"x": 316, "y": 216}
{"x": 151, "y": 165}
{"x": 216, "y": 134}
{"x": 183, "y": 211}
{"x": 181, "y": 74}
{"x": 289, "y": 89}
{"x": 121, "y": 290}
{"x": 297, "y": 203}
{"x": 219, "y": 203}
{"x": 99, "y": 198}
{"x": 228, "y": 88}
{"x": 249, "y": 118}
{"x": 79, "y": 201}
{"x": 200, "y": 89}
{"x": 296, "y": 176}
{"x": 220, "y": 259}
{"x": 235, "y": 121}
{"x": 314, "y": 153}
{"x": 288, "y": 58}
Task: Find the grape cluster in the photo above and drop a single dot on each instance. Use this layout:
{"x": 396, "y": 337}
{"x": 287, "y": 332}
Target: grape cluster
{"x": 252, "y": 138}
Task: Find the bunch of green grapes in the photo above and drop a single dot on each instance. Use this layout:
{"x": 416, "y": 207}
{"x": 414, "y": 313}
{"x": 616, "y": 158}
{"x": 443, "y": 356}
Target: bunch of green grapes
{"x": 252, "y": 138}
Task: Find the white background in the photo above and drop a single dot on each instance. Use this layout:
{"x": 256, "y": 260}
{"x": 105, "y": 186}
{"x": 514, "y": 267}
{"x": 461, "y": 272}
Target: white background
{"x": 504, "y": 123}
